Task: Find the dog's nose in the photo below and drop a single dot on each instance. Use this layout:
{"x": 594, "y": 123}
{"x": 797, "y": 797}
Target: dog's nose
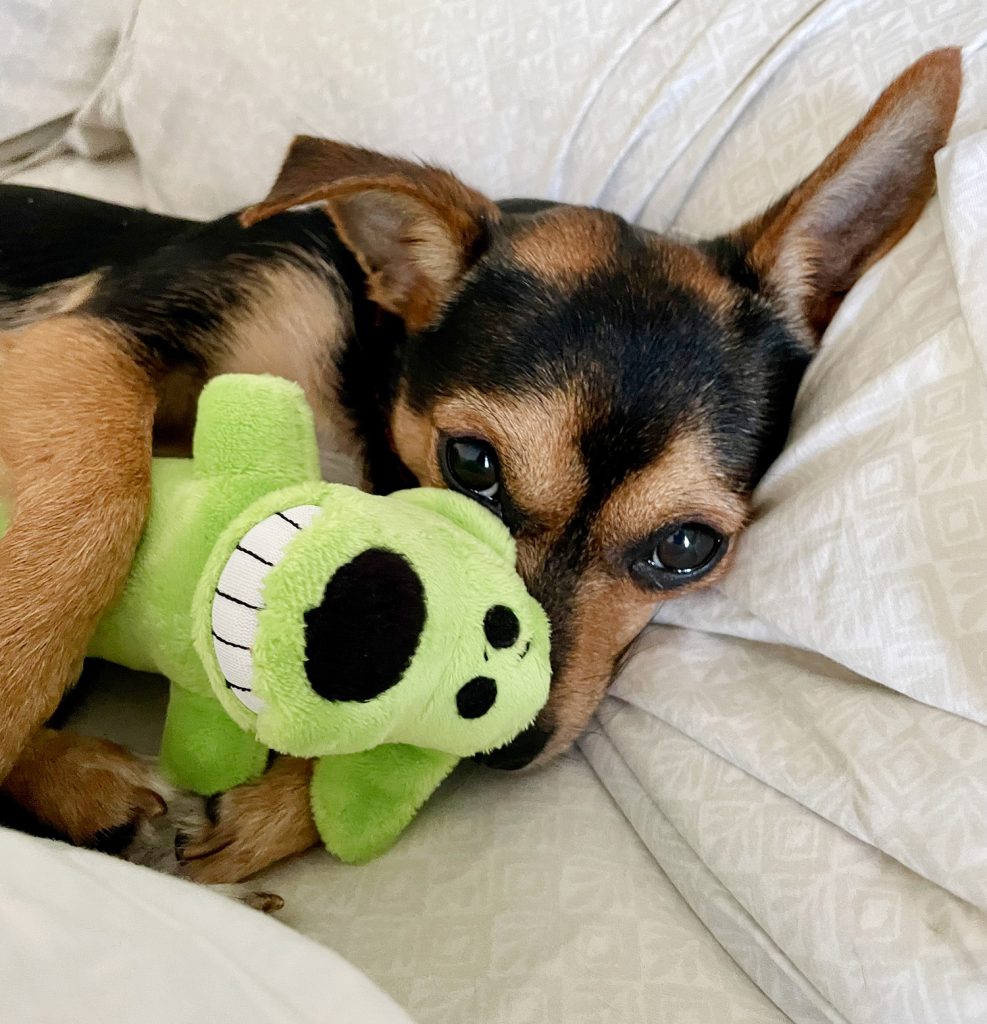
{"x": 519, "y": 753}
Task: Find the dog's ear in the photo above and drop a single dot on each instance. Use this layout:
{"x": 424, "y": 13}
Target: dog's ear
{"x": 810, "y": 247}
{"x": 414, "y": 229}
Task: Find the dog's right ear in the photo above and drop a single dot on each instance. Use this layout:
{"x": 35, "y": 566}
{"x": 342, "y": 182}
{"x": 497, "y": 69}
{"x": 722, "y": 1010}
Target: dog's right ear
{"x": 414, "y": 229}
{"x": 809, "y": 248}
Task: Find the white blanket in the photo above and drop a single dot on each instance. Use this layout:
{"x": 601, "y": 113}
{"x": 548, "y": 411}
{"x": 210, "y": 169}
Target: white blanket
{"x": 87, "y": 938}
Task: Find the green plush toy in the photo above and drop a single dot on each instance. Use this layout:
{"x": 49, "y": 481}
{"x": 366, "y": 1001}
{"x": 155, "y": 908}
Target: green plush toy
{"x": 386, "y": 637}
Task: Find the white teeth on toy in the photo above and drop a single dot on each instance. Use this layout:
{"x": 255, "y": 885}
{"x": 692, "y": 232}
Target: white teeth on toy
{"x": 239, "y": 596}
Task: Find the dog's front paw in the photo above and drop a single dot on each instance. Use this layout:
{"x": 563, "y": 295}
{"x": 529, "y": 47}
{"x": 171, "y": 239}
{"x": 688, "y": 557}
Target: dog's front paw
{"x": 250, "y": 827}
{"x": 157, "y": 843}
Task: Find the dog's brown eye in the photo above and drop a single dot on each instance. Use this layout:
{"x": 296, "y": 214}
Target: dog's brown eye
{"x": 676, "y": 555}
{"x": 471, "y": 466}
{"x": 686, "y": 547}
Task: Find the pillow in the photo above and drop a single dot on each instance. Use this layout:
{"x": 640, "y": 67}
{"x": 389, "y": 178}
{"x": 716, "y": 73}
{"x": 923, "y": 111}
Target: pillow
{"x": 645, "y": 109}
{"x": 51, "y": 60}
{"x": 869, "y": 544}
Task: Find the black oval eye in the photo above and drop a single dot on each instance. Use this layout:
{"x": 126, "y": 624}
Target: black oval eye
{"x": 501, "y": 627}
{"x": 686, "y": 548}
{"x": 476, "y": 697}
{"x": 471, "y": 465}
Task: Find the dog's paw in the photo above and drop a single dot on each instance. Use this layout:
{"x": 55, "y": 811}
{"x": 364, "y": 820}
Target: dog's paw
{"x": 251, "y": 827}
{"x": 156, "y": 843}
{"x": 88, "y": 791}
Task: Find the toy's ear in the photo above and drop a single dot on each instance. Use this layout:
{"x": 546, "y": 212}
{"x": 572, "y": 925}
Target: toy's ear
{"x": 257, "y": 424}
{"x": 467, "y": 515}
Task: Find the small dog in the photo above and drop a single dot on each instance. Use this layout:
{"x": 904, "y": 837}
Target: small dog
{"x": 613, "y": 395}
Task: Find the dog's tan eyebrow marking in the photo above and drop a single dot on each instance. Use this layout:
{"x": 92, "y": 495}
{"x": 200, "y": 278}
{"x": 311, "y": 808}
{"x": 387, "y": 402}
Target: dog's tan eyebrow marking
{"x": 565, "y": 244}
{"x": 293, "y": 323}
{"x": 692, "y": 270}
{"x": 684, "y": 482}
{"x": 536, "y": 438}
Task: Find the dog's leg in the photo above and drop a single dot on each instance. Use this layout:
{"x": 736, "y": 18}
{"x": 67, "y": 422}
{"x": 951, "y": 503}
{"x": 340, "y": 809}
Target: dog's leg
{"x": 75, "y": 442}
{"x": 87, "y": 790}
{"x": 253, "y": 826}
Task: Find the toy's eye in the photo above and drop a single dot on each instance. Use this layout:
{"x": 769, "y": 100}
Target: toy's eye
{"x": 470, "y": 466}
{"x": 501, "y": 627}
{"x": 680, "y": 553}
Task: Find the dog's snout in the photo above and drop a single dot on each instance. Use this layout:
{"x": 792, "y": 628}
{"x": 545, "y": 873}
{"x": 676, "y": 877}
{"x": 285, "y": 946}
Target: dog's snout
{"x": 520, "y": 752}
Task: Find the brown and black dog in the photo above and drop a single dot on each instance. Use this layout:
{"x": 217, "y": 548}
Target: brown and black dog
{"x": 612, "y": 394}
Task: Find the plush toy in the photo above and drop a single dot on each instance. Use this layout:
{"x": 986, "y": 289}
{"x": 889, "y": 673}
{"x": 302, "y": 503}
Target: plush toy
{"x": 387, "y": 637}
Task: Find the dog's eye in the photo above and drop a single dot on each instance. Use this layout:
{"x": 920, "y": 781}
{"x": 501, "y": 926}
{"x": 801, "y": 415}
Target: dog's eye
{"x": 680, "y": 553}
{"x": 686, "y": 548}
{"x": 471, "y": 466}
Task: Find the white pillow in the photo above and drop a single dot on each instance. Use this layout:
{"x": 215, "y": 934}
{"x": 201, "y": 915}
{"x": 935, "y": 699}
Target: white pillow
{"x": 636, "y": 106}
{"x": 870, "y": 539}
{"x": 53, "y": 55}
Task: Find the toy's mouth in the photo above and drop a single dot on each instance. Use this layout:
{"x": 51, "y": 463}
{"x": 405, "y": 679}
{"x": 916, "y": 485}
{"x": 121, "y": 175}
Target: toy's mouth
{"x": 239, "y": 597}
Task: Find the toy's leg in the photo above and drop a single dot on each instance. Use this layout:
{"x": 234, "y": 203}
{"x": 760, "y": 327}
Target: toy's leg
{"x": 203, "y": 749}
{"x": 253, "y": 826}
{"x": 75, "y": 442}
{"x": 89, "y": 791}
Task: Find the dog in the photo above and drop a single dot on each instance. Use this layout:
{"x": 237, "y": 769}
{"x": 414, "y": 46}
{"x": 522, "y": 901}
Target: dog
{"x": 612, "y": 394}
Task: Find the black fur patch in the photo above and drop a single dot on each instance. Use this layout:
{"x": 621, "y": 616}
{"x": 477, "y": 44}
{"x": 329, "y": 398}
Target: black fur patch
{"x": 361, "y": 638}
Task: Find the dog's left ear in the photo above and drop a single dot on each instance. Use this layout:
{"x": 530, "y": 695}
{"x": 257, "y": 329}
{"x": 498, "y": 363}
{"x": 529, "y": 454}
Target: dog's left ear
{"x": 414, "y": 229}
{"x": 809, "y": 248}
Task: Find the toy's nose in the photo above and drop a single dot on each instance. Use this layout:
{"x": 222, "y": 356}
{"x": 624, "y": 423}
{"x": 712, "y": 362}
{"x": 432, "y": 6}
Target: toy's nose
{"x": 476, "y": 697}
{"x": 501, "y": 627}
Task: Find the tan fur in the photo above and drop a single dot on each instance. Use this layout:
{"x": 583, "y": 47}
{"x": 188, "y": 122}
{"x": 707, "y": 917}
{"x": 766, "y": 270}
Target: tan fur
{"x": 81, "y": 786}
{"x": 566, "y": 244}
{"x": 695, "y": 273}
{"x": 75, "y": 438}
{"x": 609, "y": 613}
{"x": 684, "y": 484}
{"x": 610, "y": 609}
{"x": 256, "y": 825}
{"x": 534, "y": 438}
{"x": 294, "y": 325}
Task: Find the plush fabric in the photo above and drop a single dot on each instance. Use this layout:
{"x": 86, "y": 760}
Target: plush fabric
{"x": 253, "y": 575}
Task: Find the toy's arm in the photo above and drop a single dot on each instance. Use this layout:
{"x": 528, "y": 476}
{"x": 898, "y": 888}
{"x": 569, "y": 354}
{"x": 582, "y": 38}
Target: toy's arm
{"x": 362, "y": 802}
{"x": 203, "y": 749}
{"x": 255, "y": 423}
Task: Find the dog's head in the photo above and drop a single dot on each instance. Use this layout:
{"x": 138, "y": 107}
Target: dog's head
{"x": 612, "y": 394}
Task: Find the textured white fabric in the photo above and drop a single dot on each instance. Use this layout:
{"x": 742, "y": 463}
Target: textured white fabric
{"x": 88, "y": 938}
{"x": 805, "y": 761}
{"x": 832, "y": 832}
{"x": 52, "y": 57}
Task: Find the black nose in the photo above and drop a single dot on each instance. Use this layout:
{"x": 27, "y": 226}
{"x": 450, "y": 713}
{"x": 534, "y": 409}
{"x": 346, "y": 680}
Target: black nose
{"x": 476, "y": 697}
{"x": 519, "y": 753}
{"x": 501, "y": 626}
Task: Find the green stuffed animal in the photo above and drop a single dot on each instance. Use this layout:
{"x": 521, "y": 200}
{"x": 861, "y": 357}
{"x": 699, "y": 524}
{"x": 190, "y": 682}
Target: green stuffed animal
{"x": 386, "y": 637}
